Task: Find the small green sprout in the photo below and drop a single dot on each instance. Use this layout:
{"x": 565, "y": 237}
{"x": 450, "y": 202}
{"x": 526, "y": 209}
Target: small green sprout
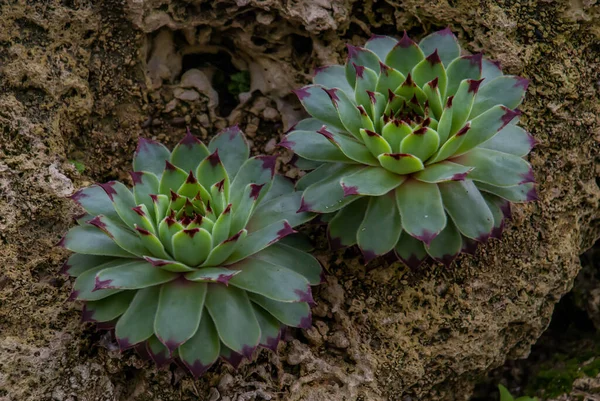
{"x": 506, "y": 396}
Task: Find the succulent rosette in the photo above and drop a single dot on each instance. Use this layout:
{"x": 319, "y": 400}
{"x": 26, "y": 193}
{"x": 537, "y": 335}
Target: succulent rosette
{"x": 188, "y": 263}
{"x": 415, "y": 148}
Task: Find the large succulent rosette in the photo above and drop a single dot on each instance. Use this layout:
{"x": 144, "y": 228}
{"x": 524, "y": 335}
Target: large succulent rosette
{"x": 415, "y": 148}
{"x": 188, "y": 263}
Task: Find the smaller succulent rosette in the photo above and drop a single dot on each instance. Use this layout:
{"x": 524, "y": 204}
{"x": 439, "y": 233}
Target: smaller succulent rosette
{"x": 415, "y": 148}
{"x": 187, "y": 264}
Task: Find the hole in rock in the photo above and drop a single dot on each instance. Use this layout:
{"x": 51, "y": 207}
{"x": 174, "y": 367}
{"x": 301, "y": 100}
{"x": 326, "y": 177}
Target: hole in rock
{"x": 227, "y": 80}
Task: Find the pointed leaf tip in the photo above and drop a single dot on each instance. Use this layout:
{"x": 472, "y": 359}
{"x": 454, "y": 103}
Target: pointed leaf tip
{"x": 269, "y": 163}
{"x": 522, "y": 83}
{"x": 360, "y": 70}
{"x": 101, "y": 284}
{"x": 136, "y": 177}
{"x": 350, "y": 190}
{"x": 434, "y": 58}
{"x": 332, "y": 93}
{"x": 368, "y": 255}
{"x": 306, "y": 322}
{"x": 189, "y": 139}
{"x": 302, "y": 93}
{"x": 214, "y": 158}
{"x": 509, "y": 115}
{"x": 352, "y": 51}
{"x": 304, "y": 206}
{"x": 285, "y": 231}
{"x": 474, "y": 85}
{"x": 108, "y": 188}
{"x": 285, "y": 143}
{"x": 475, "y": 59}
{"x": 405, "y": 41}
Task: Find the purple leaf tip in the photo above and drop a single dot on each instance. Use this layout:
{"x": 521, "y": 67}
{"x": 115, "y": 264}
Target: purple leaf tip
{"x": 97, "y": 222}
{"x": 352, "y": 51}
{"x": 285, "y": 143}
{"x": 144, "y": 144}
{"x": 189, "y": 140}
{"x": 169, "y": 166}
{"x": 108, "y": 188}
{"x": 426, "y": 236}
{"x": 268, "y": 163}
{"x": 474, "y": 85}
{"x": 136, "y": 177}
{"x": 528, "y": 177}
{"x": 522, "y": 83}
{"x": 372, "y": 97}
{"x": 509, "y": 115}
{"x": 305, "y": 296}
{"x": 214, "y": 158}
{"x": 234, "y": 359}
{"x": 191, "y": 179}
{"x": 351, "y": 190}
{"x": 272, "y": 342}
{"x": 412, "y": 262}
{"x": 360, "y": 70}
{"x": 335, "y": 243}
{"x": 445, "y": 32}
{"x": 191, "y": 232}
{"x": 304, "y": 206}
{"x": 368, "y": 254}
{"x": 464, "y": 129}
{"x": 434, "y": 58}
{"x": 285, "y": 231}
{"x": 447, "y": 259}
{"x": 323, "y": 131}
{"x": 197, "y": 369}
{"x": 306, "y": 322}
{"x": 101, "y": 284}
{"x": 302, "y": 93}
{"x": 532, "y": 195}
{"x": 124, "y": 343}
{"x": 405, "y": 42}
{"x": 255, "y": 190}
{"x": 384, "y": 69}
{"x": 77, "y": 196}
{"x": 332, "y": 93}
{"x": 475, "y": 59}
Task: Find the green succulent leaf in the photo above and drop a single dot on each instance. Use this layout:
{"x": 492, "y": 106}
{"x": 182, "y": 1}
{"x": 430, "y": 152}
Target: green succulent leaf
{"x": 192, "y": 246}
{"x": 260, "y": 239}
{"x": 348, "y": 113}
{"x": 109, "y": 308}
{"x": 401, "y": 163}
{"x": 182, "y": 301}
{"x": 270, "y": 329}
{"x": 137, "y": 323}
{"x": 381, "y": 45}
{"x": 314, "y": 146}
{"x": 485, "y": 126}
{"x": 91, "y": 240}
{"x": 518, "y": 193}
{"x": 150, "y": 156}
{"x": 343, "y": 228}
{"x": 79, "y": 263}
{"x": 293, "y": 314}
{"x": 85, "y": 286}
{"x": 203, "y": 349}
{"x": 168, "y": 265}
{"x": 442, "y": 172}
{"x": 95, "y": 201}
{"x": 467, "y": 208}
{"x": 333, "y": 76}
{"x": 257, "y": 170}
{"x": 410, "y": 250}
{"x": 361, "y": 58}
{"x": 271, "y": 280}
{"x": 122, "y": 236}
{"x": 318, "y": 104}
{"x": 404, "y": 55}
{"x": 496, "y": 168}
{"x": 381, "y": 227}
{"x": 444, "y": 42}
{"x": 429, "y": 69}
{"x": 158, "y": 352}
{"x": 189, "y": 152}
{"x": 327, "y": 195}
{"x": 511, "y": 139}
{"x": 507, "y": 90}
{"x": 446, "y": 246}
{"x": 172, "y": 179}
{"x": 490, "y": 70}
{"x": 422, "y": 209}
{"x": 284, "y": 207}
{"x": 223, "y": 251}
{"x": 235, "y": 149}
{"x": 212, "y": 275}
{"x": 132, "y": 276}
{"x": 234, "y": 318}
{"x": 371, "y": 181}
{"x": 293, "y": 259}
{"x": 461, "y": 68}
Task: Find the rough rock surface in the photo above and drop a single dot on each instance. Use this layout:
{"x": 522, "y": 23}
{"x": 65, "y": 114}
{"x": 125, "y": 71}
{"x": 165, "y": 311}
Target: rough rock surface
{"x": 77, "y": 84}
